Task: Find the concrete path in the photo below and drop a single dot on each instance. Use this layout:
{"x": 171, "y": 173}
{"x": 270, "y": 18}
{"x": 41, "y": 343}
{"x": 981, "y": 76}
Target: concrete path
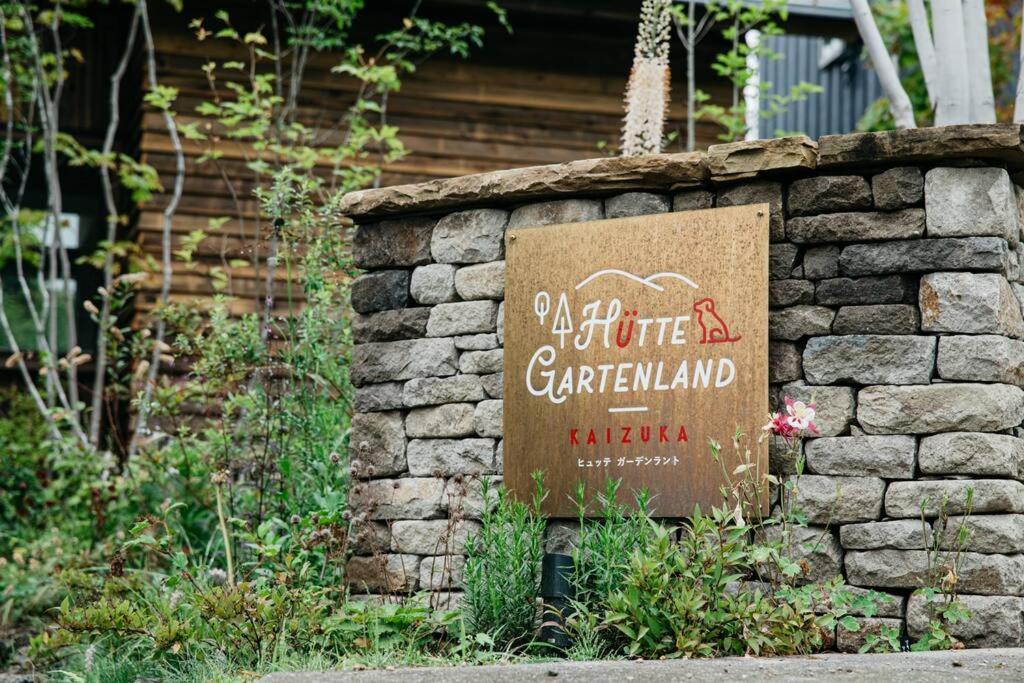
{"x": 918, "y": 667}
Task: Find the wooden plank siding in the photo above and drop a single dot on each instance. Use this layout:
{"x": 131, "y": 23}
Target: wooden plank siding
{"x": 455, "y": 118}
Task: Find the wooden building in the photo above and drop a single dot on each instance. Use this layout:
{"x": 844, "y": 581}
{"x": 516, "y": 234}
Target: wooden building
{"x": 549, "y": 91}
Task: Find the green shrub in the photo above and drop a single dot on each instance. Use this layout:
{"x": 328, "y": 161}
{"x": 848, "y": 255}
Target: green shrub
{"x": 723, "y": 588}
{"x": 607, "y": 542}
{"x": 676, "y": 600}
{"x": 502, "y": 570}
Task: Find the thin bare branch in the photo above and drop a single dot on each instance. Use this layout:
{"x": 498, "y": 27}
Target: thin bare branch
{"x": 168, "y": 217}
{"x": 113, "y": 219}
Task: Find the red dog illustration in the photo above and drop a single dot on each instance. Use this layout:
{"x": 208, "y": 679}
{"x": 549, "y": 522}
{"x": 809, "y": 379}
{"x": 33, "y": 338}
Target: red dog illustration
{"x": 713, "y": 329}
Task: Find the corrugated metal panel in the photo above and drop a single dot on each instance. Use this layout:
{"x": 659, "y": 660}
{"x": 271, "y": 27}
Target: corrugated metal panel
{"x": 849, "y": 87}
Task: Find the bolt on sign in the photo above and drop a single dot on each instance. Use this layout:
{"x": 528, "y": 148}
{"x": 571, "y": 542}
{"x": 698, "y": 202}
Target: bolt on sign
{"x": 629, "y": 343}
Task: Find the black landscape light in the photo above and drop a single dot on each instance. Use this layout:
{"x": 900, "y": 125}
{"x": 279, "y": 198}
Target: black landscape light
{"x": 556, "y": 590}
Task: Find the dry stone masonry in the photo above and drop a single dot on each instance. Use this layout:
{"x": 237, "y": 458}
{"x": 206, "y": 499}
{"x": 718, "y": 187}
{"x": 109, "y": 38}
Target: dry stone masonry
{"x": 896, "y": 304}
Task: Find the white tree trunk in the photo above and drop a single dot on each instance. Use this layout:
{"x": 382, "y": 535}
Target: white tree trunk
{"x": 899, "y": 102}
{"x": 954, "y": 106}
{"x": 1018, "y": 105}
{"x": 925, "y": 49}
{"x": 983, "y": 102}
{"x": 691, "y": 79}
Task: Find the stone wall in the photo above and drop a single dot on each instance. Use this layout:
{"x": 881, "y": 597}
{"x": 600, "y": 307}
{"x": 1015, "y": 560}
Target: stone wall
{"x": 895, "y": 304}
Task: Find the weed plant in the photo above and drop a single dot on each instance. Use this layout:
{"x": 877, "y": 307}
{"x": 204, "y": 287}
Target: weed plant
{"x": 502, "y": 570}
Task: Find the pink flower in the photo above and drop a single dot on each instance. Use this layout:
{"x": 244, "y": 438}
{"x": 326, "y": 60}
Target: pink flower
{"x": 801, "y": 415}
{"x": 797, "y": 421}
{"x": 779, "y": 426}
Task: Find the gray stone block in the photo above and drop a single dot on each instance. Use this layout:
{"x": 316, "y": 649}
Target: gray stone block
{"x": 555, "y": 212}
{"x": 827, "y": 194}
{"x": 380, "y": 290}
{"x": 815, "y": 548}
{"x": 890, "y": 457}
{"x": 500, "y": 323}
{"x": 474, "y": 236}
{"x": 693, "y": 199}
{"x": 838, "y": 500}
{"x": 377, "y": 444}
{"x": 836, "y": 406}
{"x": 790, "y": 292}
{"x": 797, "y": 322}
{"x": 898, "y": 188}
{"x": 979, "y": 574}
{"x": 388, "y": 361}
{"x": 975, "y": 303}
{"x": 783, "y": 454}
{"x": 985, "y": 533}
{"x": 369, "y": 538}
{"x": 905, "y": 499}
{"x": 821, "y": 263}
{"x": 995, "y": 621}
{"x": 433, "y": 283}
{"x": 869, "y": 359}
{"x": 432, "y": 536}
{"x": 385, "y": 573}
{"x": 440, "y": 573}
{"x": 845, "y": 291}
{"x": 877, "y": 319}
{"x": 377, "y": 397}
{"x": 993, "y": 455}
{"x": 494, "y": 384}
{"x": 981, "y": 358}
{"x": 900, "y": 534}
{"x": 481, "y": 281}
{"x": 636, "y": 204}
{"x": 464, "y": 494}
{"x": 443, "y": 421}
{"x": 857, "y": 226}
{"x": 758, "y": 192}
{"x": 450, "y": 457}
{"x": 429, "y": 391}
{"x": 782, "y": 260}
{"x": 477, "y": 342}
{"x": 405, "y": 498}
{"x": 482, "y": 362}
{"x": 396, "y": 242}
{"x": 461, "y": 318}
{"x": 887, "y": 568}
{"x": 784, "y": 362}
{"x": 939, "y": 408}
{"x": 403, "y": 323}
{"x": 487, "y": 418}
{"x": 971, "y": 201}
{"x": 926, "y": 256}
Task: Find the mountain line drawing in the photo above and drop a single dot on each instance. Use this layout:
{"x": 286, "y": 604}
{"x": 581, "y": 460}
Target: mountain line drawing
{"x": 648, "y": 281}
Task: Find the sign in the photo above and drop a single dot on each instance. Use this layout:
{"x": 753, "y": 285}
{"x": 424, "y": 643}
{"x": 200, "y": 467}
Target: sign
{"x": 629, "y": 343}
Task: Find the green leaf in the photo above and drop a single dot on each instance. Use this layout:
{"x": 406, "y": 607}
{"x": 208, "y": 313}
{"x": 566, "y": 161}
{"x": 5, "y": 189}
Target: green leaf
{"x": 849, "y": 623}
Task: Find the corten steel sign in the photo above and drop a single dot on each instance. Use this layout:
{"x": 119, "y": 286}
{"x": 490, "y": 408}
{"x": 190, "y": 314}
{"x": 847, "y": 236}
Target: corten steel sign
{"x": 629, "y": 343}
